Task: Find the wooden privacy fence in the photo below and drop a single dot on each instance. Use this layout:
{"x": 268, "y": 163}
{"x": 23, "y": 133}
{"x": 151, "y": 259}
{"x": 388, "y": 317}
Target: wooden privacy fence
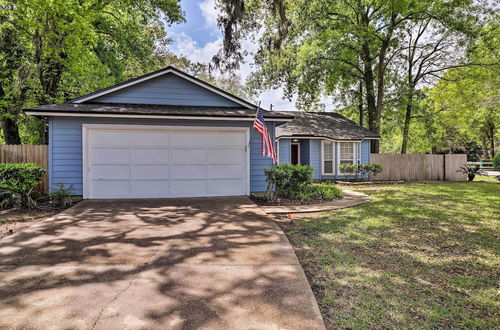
{"x": 37, "y": 154}
{"x": 420, "y": 167}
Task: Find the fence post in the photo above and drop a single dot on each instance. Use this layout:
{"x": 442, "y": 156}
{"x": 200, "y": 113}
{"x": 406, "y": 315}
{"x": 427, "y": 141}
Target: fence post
{"x": 444, "y": 167}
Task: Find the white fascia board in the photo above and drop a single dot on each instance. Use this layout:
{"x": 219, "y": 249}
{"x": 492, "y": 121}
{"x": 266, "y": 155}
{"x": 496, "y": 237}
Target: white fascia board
{"x": 105, "y": 115}
{"x": 316, "y": 138}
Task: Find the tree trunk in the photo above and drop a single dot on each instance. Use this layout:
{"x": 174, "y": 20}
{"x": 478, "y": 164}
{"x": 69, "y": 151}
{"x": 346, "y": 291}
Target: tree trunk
{"x": 491, "y": 137}
{"x": 369, "y": 80}
{"x": 9, "y": 125}
{"x": 360, "y": 104}
{"x": 10, "y": 131}
{"x": 484, "y": 146}
{"x": 406, "y": 127}
{"x": 371, "y": 106}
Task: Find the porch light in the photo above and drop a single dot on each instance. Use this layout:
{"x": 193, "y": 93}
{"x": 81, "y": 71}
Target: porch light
{"x": 295, "y": 140}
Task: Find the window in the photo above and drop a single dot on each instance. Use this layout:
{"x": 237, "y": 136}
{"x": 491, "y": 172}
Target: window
{"x": 346, "y": 153}
{"x": 328, "y": 157}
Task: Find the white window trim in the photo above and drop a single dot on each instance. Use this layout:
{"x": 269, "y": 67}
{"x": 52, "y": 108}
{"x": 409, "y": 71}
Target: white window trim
{"x": 298, "y": 150}
{"x": 335, "y": 167}
{"x": 355, "y": 157}
{"x": 336, "y": 157}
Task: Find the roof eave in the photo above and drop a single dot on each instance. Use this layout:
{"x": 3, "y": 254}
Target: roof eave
{"x": 40, "y": 113}
{"x": 309, "y": 136}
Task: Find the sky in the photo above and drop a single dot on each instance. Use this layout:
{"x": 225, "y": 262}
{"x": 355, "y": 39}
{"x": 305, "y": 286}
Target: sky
{"x": 199, "y": 38}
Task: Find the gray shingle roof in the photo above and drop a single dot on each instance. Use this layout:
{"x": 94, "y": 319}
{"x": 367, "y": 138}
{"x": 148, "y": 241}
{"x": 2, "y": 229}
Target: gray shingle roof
{"x": 323, "y": 124}
{"x": 146, "y": 109}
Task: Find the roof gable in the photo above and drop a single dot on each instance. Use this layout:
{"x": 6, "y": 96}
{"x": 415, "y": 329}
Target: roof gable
{"x": 168, "y": 86}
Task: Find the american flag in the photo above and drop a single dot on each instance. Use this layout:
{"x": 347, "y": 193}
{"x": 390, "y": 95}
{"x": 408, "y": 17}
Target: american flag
{"x": 267, "y": 146}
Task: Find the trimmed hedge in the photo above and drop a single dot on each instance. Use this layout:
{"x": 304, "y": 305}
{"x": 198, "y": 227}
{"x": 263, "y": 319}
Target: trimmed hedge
{"x": 20, "y": 178}
{"x": 288, "y": 181}
{"x": 361, "y": 171}
{"x": 325, "y": 191}
{"x": 295, "y": 182}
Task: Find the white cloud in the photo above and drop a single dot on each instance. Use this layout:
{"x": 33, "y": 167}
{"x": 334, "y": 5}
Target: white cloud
{"x": 184, "y": 45}
{"x": 209, "y": 12}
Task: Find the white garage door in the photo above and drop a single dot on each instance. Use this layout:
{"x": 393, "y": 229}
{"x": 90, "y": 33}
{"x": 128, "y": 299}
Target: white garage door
{"x": 145, "y": 162}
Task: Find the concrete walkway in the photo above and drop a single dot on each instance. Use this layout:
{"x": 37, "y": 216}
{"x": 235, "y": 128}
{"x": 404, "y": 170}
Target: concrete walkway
{"x": 206, "y": 263}
{"x": 351, "y": 198}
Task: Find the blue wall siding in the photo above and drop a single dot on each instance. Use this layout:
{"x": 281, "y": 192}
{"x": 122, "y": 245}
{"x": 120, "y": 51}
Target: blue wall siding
{"x": 365, "y": 151}
{"x": 284, "y": 152}
{"x": 304, "y": 152}
{"x": 258, "y": 162}
{"x": 65, "y": 148}
{"x": 167, "y": 89}
{"x": 315, "y": 157}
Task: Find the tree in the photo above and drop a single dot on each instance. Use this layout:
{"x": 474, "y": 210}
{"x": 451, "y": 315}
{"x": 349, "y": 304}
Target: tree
{"x": 316, "y": 47}
{"x": 14, "y": 81}
{"x": 72, "y": 47}
{"x": 467, "y": 100}
{"x": 431, "y": 45}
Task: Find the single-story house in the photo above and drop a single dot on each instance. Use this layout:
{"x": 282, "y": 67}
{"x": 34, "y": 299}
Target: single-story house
{"x": 169, "y": 134}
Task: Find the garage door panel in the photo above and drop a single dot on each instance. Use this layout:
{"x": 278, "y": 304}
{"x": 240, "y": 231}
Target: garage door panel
{"x": 226, "y": 187}
{"x": 149, "y": 172}
{"x": 109, "y": 156}
{"x": 188, "y": 139}
{"x": 188, "y": 171}
{"x": 225, "y": 171}
{"x": 153, "y": 139}
{"x": 189, "y": 156}
{"x": 150, "y": 188}
{"x": 235, "y": 139}
{"x": 110, "y": 189}
{"x": 225, "y": 156}
{"x": 184, "y": 188}
{"x": 110, "y": 172}
{"x": 165, "y": 162}
{"x": 113, "y": 138}
{"x": 149, "y": 156}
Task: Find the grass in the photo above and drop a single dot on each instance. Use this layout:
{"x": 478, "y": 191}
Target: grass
{"x": 417, "y": 256}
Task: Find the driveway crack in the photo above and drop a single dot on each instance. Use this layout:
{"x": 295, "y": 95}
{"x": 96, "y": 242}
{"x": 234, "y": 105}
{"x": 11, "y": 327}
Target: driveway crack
{"x": 113, "y": 300}
{"x": 142, "y": 268}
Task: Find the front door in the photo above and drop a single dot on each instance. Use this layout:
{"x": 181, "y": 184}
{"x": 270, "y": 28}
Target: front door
{"x": 295, "y": 154}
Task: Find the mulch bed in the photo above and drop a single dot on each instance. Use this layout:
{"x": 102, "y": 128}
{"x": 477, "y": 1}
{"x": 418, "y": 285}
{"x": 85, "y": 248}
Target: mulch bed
{"x": 285, "y": 202}
{"x": 15, "y": 220}
{"x": 363, "y": 183}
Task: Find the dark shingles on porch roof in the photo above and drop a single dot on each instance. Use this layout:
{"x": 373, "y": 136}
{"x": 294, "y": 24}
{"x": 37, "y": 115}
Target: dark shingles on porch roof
{"x": 323, "y": 124}
{"x": 147, "y": 109}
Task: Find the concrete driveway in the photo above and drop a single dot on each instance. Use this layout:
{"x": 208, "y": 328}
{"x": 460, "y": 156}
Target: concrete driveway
{"x": 203, "y": 263}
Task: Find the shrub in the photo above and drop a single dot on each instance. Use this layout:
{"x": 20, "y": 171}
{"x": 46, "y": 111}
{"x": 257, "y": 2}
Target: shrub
{"x": 288, "y": 181}
{"x": 17, "y": 182}
{"x": 325, "y": 191}
{"x": 496, "y": 162}
{"x": 61, "y": 196}
{"x": 471, "y": 171}
{"x": 361, "y": 171}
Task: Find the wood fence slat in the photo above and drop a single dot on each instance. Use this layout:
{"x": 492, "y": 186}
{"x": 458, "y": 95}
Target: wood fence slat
{"x": 37, "y": 154}
{"x": 412, "y": 167}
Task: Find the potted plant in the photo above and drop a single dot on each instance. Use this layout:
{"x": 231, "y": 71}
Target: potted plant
{"x": 471, "y": 171}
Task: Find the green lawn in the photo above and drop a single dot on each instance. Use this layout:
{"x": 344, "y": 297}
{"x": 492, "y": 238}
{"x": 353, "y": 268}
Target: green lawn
{"x": 417, "y": 256}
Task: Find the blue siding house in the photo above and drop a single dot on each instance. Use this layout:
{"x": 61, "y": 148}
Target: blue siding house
{"x": 169, "y": 134}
